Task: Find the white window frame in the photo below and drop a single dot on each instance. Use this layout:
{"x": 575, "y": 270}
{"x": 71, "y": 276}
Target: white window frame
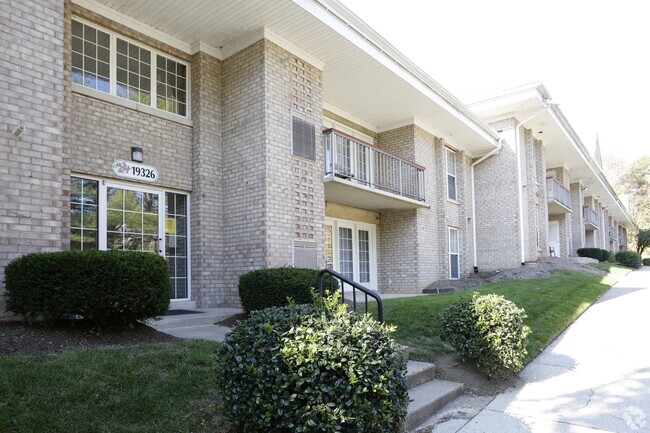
{"x": 448, "y": 153}
{"x": 455, "y": 230}
{"x": 154, "y": 78}
{"x": 372, "y": 239}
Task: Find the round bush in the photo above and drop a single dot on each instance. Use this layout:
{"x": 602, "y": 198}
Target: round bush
{"x": 272, "y": 287}
{"x": 646, "y": 262}
{"x": 488, "y": 329}
{"x": 312, "y": 368}
{"x": 594, "y": 253}
{"x": 631, "y": 259}
{"x": 108, "y": 288}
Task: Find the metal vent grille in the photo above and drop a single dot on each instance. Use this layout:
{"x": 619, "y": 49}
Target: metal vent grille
{"x": 305, "y": 254}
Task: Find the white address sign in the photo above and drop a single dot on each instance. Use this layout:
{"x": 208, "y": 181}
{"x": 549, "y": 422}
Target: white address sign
{"x": 135, "y": 171}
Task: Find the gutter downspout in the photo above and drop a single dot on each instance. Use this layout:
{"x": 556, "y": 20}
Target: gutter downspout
{"x": 519, "y": 180}
{"x": 493, "y": 152}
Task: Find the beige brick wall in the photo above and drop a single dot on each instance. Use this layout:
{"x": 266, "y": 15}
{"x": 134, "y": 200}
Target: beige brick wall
{"x": 206, "y": 210}
{"x": 577, "y": 221}
{"x": 415, "y": 243}
{"x": 497, "y": 206}
{"x": 34, "y": 187}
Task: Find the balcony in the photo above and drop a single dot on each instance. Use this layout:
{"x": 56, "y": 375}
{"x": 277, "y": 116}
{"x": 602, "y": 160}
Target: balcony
{"x": 613, "y": 233}
{"x": 558, "y": 197}
{"x": 590, "y": 218}
{"x": 622, "y": 240}
{"x": 361, "y": 175}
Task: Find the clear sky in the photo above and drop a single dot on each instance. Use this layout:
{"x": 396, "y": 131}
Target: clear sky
{"x": 592, "y": 56}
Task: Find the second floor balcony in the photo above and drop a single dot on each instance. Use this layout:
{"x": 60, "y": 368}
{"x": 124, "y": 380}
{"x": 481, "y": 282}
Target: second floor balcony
{"x": 558, "y": 197}
{"x": 613, "y": 233}
{"x": 590, "y": 218}
{"x": 362, "y": 175}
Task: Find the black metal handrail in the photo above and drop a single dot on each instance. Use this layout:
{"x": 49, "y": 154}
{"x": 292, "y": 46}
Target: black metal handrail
{"x": 343, "y": 280}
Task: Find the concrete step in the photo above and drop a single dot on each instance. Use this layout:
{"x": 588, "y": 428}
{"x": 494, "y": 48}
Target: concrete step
{"x": 418, "y": 373}
{"x": 428, "y": 398}
{"x": 207, "y": 316}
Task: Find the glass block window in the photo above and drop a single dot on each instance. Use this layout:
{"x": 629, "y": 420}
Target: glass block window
{"x": 133, "y": 73}
{"x": 140, "y": 73}
{"x": 90, "y": 57}
{"x": 171, "y": 86}
{"x": 451, "y": 174}
{"x": 83, "y": 214}
{"x": 176, "y": 242}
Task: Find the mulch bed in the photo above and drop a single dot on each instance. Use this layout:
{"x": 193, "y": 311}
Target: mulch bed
{"x": 16, "y": 337}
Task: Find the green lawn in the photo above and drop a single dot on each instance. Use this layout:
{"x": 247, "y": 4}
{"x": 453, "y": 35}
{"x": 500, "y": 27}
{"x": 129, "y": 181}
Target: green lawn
{"x": 170, "y": 387}
{"x": 165, "y": 387}
{"x": 551, "y": 305}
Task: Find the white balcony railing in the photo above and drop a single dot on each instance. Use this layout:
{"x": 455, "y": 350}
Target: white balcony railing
{"x": 556, "y": 191}
{"x": 590, "y": 216}
{"x": 349, "y": 158}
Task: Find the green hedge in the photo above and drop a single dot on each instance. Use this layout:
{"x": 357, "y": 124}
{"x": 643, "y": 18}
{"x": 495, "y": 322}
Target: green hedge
{"x": 646, "y": 262}
{"x": 273, "y": 287}
{"x": 108, "y": 288}
{"x": 595, "y": 253}
{"x": 488, "y": 329}
{"x": 631, "y": 259}
{"x": 312, "y": 368}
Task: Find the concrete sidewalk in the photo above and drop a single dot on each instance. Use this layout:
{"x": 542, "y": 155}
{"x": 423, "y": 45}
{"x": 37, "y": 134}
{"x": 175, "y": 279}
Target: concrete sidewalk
{"x": 594, "y": 378}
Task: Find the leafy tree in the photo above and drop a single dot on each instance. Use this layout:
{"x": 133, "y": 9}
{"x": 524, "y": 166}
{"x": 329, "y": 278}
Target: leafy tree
{"x": 636, "y": 183}
{"x": 642, "y": 240}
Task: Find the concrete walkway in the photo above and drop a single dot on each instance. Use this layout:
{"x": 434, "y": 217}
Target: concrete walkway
{"x": 594, "y": 378}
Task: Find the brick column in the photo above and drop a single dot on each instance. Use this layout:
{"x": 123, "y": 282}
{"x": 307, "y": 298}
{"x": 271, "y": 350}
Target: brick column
{"x": 34, "y": 194}
{"x": 577, "y": 221}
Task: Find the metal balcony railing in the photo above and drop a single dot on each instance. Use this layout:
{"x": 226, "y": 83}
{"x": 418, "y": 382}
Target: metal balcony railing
{"x": 613, "y": 233}
{"x": 590, "y": 216}
{"x": 556, "y": 191}
{"x": 349, "y": 158}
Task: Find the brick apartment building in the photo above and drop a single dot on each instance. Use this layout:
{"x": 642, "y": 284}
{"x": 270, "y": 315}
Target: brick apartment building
{"x": 239, "y": 135}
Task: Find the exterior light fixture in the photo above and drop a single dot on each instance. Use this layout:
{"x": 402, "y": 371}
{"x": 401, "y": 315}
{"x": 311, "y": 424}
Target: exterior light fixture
{"x": 136, "y": 154}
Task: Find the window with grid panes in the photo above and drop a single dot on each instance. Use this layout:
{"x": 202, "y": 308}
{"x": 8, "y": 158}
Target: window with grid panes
{"x": 140, "y": 73}
{"x": 83, "y": 213}
{"x": 451, "y": 174}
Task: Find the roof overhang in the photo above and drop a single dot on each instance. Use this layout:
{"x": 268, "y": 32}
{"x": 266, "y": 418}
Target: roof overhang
{"x": 563, "y": 147}
{"x": 363, "y": 74}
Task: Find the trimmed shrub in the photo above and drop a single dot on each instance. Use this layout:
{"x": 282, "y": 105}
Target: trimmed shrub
{"x": 108, "y": 288}
{"x": 489, "y": 330}
{"x": 611, "y": 258}
{"x": 595, "y": 253}
{"x": 312, "y": 368}
{"x": 273, "y": 287}
{"x": 631, "y": 259}
{"x": 646, "y": 262}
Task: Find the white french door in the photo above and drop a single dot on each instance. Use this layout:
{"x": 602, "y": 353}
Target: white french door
{"x": 351, "y": 250}
{"x": 131, "y": 218}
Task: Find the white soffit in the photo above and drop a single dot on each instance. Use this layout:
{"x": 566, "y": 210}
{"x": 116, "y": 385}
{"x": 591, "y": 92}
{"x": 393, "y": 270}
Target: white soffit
{"x": 362, "y": 74}
{"x": 563, "y": 147}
